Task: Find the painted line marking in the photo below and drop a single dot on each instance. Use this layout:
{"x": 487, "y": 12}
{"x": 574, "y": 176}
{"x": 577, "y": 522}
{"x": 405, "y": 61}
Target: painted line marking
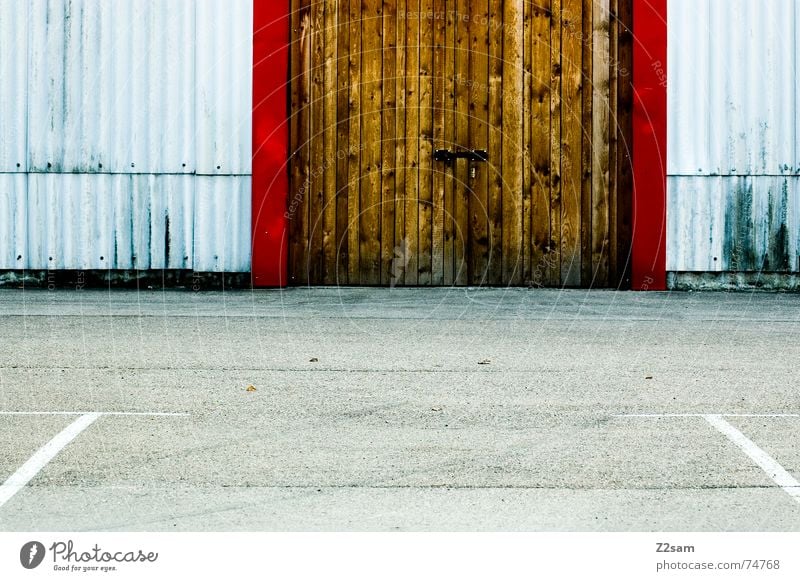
{"x": 46, "y": 453}
{"x": 158, "y": 414}
{"x": 43, "y": 456}
{"x": 766, "y": 462}
{"x": 707, "y": 415}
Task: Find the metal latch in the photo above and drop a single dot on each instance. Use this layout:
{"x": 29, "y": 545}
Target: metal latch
{"x": 448, "y": 156}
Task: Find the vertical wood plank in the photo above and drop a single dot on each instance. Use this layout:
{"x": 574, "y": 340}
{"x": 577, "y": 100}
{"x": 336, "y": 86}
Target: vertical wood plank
{"x": 613, "y": 151}
{"x": 448, "y": 248}
{"x": 388, "y": 142}
{"x": 512, "y": 142}
{"x": 600, "y": 141}
{"x": 439, "y": 140}
{"x": 317, "y": 141}
{"x": 527, "y": 137}
{"x": 495, "y": 204}
{"x": 462, "y": 181}
{"x": 329, "y": 138}
{"x": 571, "y": 142}
{"x": 342, "y": 139}
{"x": 300, "y": 132}
{"x": 586, "y": 145}
{"x": 372, "y": 82}
{"x": 624, "y": 170}
{"x": 412, "y": 140}
{"x": 356, "y": 146}
{"x": 556, "y": 56}
{"x": 400, "y": 258}
{"x": 295, "y": 106}
{"x": 426, "y": 169}
{"x": 478, "y": 249}
{"x": 541, "y": 149}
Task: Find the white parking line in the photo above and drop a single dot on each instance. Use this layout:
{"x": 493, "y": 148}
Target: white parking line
{"x": 41, "y": 458}
{"x": 170, "y": 414}
{"x": 766, "y": 462}
{"x": 46, "y": 453}
{"x": 706, "y": 415}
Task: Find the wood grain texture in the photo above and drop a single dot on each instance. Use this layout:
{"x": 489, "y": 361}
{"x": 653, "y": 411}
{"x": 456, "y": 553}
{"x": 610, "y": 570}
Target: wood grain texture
{"x": 449, "y": 226}
{"x": 540, "y": 145}
{"x": 412, "y": 142}
{"x": 342, "y": 139}
{"x": 571, "y": 141}
{"x": 613, "y": 153}
{"x": 623, "y": 190}
{"x": 601, "y": 139}
{"x": 542, "y": 85}
{"x": 461, "y": 189}
{"x": 587, "y": 23}
{"x": 369, "y": 219}
{"x": 527, "y": 139}
{"x": 426, "y": 169}
{"x": 400, "y": 257}
{"x": 355, "y": 148}
{"x": 388, "y": 144}
{"x": 512, "y": 142}
{"x": 300, "y": 132}
{"x": 478, "y": 211}
{"x": 329, "y": 141}
{"x": 440, "y": 170}
{"x": 317, "y": 131}
{"x": 495, "y": 200}
{"x": 557, "y": 156}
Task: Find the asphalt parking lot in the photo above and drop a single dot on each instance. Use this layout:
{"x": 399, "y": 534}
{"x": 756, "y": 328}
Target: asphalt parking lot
{"x": 401, "y": 409}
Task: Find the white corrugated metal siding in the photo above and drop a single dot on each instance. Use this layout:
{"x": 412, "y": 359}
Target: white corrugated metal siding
{"x": 13, "y": 86}
{"x": 125, "y": 135}
{"x": 733, "y": 160}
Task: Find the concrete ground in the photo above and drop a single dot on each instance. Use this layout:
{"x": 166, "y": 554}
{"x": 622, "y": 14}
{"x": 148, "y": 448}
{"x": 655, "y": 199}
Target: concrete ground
{"x": 404, "y": 409}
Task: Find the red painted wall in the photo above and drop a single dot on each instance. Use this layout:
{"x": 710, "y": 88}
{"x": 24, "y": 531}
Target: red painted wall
{"x": 270, "y": 141}
{"x": 649, "y": 258}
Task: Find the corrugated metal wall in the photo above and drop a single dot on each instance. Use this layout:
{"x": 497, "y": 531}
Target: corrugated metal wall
{"x": 734, "y": 170}
{"x": 125, "y": 134}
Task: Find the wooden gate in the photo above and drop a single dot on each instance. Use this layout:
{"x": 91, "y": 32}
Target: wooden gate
{"x": 379, "y": 87}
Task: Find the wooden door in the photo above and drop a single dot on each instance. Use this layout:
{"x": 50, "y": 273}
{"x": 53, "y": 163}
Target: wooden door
{"x": 377, "y": 87}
